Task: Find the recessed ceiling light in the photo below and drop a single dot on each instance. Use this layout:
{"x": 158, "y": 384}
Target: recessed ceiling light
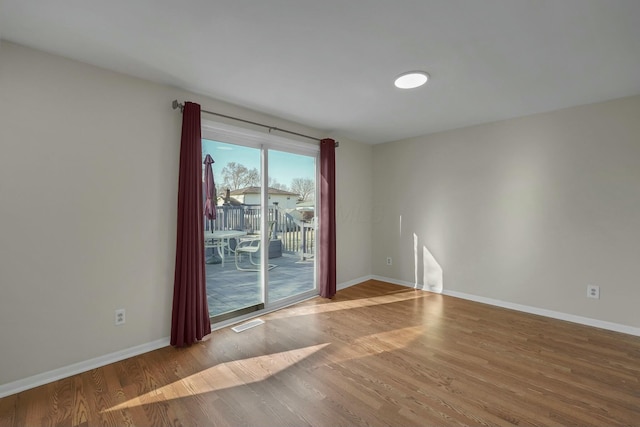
{"x": 411, "y": 80}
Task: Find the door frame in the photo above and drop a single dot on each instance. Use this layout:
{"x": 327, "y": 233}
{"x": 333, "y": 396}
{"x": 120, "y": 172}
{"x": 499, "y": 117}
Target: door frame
{"x": 226, "y": 133}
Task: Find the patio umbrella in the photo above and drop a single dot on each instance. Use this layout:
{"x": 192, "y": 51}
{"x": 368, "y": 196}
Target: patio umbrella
{"x": 210, "y": 204}
{"x": 210, "y": 189}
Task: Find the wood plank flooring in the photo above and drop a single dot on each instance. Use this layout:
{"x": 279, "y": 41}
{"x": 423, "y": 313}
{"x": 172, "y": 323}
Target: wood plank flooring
{"x": 375, "y": 355}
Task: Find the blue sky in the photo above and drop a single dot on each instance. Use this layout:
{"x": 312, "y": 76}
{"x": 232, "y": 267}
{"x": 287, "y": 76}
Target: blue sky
{"x": 283, "y": 167}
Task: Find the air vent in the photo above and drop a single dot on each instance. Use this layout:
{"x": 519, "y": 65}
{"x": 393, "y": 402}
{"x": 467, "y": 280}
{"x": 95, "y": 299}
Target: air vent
{"x": 248, "y": 325}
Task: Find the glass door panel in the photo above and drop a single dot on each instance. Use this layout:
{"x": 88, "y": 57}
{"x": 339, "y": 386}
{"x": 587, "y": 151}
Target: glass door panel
{"x": 291, "y": 210}
{"x": 232, "y": 239}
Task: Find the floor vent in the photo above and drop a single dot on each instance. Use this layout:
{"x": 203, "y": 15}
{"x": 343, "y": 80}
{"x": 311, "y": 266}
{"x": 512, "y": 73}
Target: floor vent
{"x": 248, "y": 325}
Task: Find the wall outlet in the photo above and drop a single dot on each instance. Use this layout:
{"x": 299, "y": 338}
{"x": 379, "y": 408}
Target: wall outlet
{"x": 593, "y": 291}
{"x": 120, "y": 316}
{"x": 389, "y": 260}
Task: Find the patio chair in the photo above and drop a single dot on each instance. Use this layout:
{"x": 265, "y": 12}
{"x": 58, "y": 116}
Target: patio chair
{"x": 251, "y": 246}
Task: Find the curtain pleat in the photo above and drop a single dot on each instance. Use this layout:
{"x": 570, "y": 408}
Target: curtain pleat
{"x": 327, "y": 219}
{"x": 190, "y": 316}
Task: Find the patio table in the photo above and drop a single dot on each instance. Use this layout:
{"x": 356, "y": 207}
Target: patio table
{"x": 220, "y": 238}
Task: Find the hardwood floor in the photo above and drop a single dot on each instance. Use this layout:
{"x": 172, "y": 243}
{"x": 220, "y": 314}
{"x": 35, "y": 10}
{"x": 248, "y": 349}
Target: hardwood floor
{"x": 377, "y": 354}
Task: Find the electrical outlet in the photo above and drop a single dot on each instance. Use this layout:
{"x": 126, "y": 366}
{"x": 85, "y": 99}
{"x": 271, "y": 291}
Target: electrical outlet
{"x": 120, "y": 316}
{"x": 593, "y": 291}
{"x": 389, "y": 261}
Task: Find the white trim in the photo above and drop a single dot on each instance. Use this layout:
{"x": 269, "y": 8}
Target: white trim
{"x": 399, "y": 282}
{"x": 616, "y": 327}
{"x": 264, "y": 220}
{"x": 77, "y": 368}
{"x": 602, "y": 324}
{"x": 345, "y": 285}
{"x": 223, "y": 132}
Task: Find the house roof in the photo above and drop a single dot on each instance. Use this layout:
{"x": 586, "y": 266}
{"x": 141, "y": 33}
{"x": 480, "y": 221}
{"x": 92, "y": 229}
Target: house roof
{"x": 256, "y": 190}
{"x": 232, "y": 201}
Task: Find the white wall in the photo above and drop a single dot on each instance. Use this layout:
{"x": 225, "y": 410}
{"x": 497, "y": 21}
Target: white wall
{"x": 527, "y": 211}
{"x": 88, "y": 181}
{"x": 354, "y": 198}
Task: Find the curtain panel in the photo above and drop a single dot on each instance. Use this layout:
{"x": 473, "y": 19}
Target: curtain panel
{"x": 327, "y": 219}
{"x": 190, "y": 316}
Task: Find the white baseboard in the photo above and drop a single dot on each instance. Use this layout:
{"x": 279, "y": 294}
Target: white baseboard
{"x": 77, "y": 368}
{"x": 398, "y": 282}
{"x": 349, "y": 283}
{"x": 617, "y": 327}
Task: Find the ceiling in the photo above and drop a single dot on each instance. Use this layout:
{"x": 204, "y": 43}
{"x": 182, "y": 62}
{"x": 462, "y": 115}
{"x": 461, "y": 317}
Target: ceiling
{"x": 330, "y": 64}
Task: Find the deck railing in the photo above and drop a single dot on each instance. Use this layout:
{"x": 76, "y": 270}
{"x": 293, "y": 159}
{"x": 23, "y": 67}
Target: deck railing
{"x": 296, "y": 236}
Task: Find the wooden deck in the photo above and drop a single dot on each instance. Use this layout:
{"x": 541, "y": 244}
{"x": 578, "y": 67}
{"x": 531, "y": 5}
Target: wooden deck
{"x": 229, "y": 289}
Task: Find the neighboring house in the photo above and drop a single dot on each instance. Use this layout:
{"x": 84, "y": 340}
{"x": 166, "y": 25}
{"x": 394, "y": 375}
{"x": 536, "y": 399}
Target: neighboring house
{"x": 225, "y": 198}
{"x": 251, "y": 196}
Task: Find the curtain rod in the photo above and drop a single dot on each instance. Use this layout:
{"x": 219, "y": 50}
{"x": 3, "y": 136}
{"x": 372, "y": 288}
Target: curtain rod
{"x": 175, "y": 104}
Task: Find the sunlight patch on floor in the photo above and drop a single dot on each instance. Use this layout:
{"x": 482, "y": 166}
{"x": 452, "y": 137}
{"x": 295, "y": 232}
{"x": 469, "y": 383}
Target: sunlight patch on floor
{"x": 302, "y": 310}
{"x": 223, "y": 376}
{"x": 389, "y": 340}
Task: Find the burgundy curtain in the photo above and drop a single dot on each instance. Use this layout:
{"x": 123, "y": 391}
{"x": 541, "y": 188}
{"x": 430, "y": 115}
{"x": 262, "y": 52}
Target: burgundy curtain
{"x": 190, "y": 316}
{"x": 327, "y": 254}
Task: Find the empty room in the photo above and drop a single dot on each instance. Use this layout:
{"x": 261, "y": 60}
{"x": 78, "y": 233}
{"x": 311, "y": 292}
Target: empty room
{"x": 285, "y": 213}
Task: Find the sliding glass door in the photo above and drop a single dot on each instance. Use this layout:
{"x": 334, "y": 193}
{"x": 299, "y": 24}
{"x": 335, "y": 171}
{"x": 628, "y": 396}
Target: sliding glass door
{"x": 260, "y": 248}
